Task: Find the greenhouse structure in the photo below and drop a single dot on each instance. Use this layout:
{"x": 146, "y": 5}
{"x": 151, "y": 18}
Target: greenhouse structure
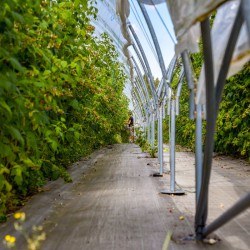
{"x": 74, "y": 68}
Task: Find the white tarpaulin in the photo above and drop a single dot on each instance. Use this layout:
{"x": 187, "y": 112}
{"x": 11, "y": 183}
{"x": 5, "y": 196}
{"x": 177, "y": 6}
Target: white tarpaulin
{"x": 185, "y": 13}
{"x": 151, "y": 2}
{"x": 123, "y": 10}
{"x": 220, "y": 35}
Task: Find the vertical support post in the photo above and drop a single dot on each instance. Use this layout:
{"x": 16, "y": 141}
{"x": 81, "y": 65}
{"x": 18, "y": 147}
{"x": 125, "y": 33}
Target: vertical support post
{"x": 198, "y": 150}
{"x": 148, "y": 132}
{"x": 160, "y": 146}
{"x": 172, "y": 148}
{"x": 246, "y": 11}
{"x": 202, "y": 204}
{"x": 153, "y": 133}
{"x": 161, "y": 141}
{"x": 190, "y": 82}
{"x": 172, "y": 190}
{"x": 158, "y": 136}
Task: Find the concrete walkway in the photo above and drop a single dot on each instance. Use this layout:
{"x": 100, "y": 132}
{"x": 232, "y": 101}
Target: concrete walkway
{"x": 115, "y": 203}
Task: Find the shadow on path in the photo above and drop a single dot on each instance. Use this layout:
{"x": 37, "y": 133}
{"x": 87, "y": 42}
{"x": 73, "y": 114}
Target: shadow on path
{"x": 114, "y": 203}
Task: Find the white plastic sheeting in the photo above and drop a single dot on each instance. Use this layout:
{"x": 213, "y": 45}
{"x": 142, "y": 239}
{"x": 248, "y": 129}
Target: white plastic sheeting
{"x": 151, "y": 2}
{"x": 185, "y": 13}
{"x": 108, "y": 21}
{"x": 220, "y": 34}
{"x": 123, "y": 10}
{"x": 186, "y": 16}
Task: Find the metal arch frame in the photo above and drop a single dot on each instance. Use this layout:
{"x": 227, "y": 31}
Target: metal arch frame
{"x": 213, "y": 101}
{"x": 136, "y": 99}
{"x": 140, "y": 99}
{"x": 141, "y": 78}
{"x": 145, "y": 60}
{"x": 144, "y": 90}
{"x": 174, "y": 111}
{"x": 165, "y": 82}
{"x": 213, "y": 98}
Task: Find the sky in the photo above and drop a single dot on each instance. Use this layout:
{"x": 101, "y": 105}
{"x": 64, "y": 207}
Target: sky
{"x": 108, "y": 22}
{"x": 164, "y": 39}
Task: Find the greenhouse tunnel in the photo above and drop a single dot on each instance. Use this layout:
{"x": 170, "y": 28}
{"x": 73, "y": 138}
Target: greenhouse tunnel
{"x": 77, "y": 68}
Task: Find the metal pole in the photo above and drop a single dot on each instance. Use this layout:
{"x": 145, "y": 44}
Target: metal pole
{"x": 246, "y": 11}
{"x": 154, "y": 38}
{"x": 151, "y": 82}
{"x": 172, "y": 190}
{"x": 172, "y": 148}
{"x": 160, "y": 148}
{"x": 161, "y": 141}
{"x": 158, "y": 136}
{"x": 153, "y": 133}
{"x": 141, "y": 79}
{"x": 148, "y": 133}
{"x": 179, "y": 88}
{"x": 202, "y": 204}
{"x": 140, "y": 91}
{"x": 190, "y": 82}
{"x": 198, "y": 151}
{"x": 236, "y": 209}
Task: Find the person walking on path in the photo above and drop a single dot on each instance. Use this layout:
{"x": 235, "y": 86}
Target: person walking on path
{"x": 131, "y": 128}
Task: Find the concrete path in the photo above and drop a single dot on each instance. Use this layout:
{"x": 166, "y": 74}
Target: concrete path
{"x": 115, "y": 203}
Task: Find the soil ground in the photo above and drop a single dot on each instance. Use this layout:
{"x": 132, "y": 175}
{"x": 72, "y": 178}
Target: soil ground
{"x": 114, "y": 203}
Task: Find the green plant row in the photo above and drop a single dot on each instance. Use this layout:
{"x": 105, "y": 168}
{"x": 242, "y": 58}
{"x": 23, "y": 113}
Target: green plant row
{"x": 232, "y": 135}
{"x": 61, "y": 93}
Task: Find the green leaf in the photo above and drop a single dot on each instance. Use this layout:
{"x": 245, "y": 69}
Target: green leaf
{"x": 54, "y": 145}
{"x": 2, "y": 179}
{"x": 74, "y": 104}
{"x": 4, "y": 170}
{"x": 5, "y": 83}
{"x": 7, "y": 186}
{"x": 47, "y": 72}
{"x": 17, "y": 17}
{"x": 15, "y": 134}
{"x": 64, "y": 64}
{"x": 17, "y": 172}
{"x": 77, "y": 135}
{"x": 28, "y": 162}
{"x": 44, "y": 25}
{"x": 5, "y": 151}
{"x": 5, "y": 106}
{"x": 16, "y": 65}
{"x": 8, "y": 22}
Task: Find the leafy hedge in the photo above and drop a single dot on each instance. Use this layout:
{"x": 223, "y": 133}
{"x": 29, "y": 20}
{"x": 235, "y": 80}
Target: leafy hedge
{"x": 61, "y": 93}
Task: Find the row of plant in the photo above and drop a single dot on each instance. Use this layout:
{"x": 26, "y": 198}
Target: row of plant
{"x": 61, "y": 93}
{"x": 232, "y": 135}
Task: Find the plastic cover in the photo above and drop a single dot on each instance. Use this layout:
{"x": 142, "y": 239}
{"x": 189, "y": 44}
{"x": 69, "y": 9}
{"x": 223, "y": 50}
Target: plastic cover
{"x": 108, "y": 21}
{"x": 220, "y": 35}
{"x": 123, "y": 10}
{"x": 185, "y": 13}
{"x": 151, "y": 2}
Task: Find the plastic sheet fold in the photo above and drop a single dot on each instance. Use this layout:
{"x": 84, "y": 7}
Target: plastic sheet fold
{"x": 220, "y": 35}
{"x": 123, "y": 10}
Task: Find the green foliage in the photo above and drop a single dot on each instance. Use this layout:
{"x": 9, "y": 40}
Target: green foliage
{"x": 141, "y": 140}
{"x": 144, "y": 145}
{"x": 234, "y": 118}
{"x": 233, "y": 123}
{"x": 61, "y": 92}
